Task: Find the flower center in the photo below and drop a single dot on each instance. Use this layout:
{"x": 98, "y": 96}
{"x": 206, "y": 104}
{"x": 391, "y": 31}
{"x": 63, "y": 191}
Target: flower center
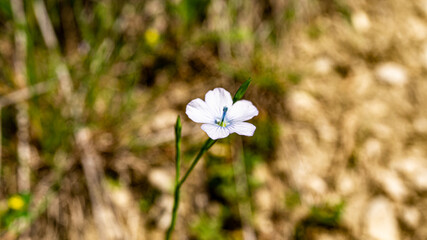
{"x": 222, "y": 123}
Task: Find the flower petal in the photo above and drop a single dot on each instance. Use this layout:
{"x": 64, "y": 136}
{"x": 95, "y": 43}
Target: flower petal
{"x": 214, "y": 131}
{"x": 198, "y": 111}
{"x": 241, "y": 111}
{"x": 242, "y": 128}
{"x": 217, "y": 99}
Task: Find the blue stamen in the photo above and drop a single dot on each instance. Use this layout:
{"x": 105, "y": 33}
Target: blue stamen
{"x": 224, "y": 111}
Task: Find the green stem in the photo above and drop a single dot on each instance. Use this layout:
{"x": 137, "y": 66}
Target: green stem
{"x": 178, "y": 128}
{"x": 178, "y": 148}
{"x": 208, "y": 144}
{"x": 174, "y": 211}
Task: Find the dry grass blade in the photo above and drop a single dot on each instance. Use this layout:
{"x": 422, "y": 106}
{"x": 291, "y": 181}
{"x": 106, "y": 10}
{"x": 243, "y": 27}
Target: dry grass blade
{"x": 22, "y": 117}
{"x": 24, "y": 94}
{"x": 51, "y": 41}
{"x": 24, "y": 151}
{"x": 103, "y": 213}
{"x": 45, "y": 24}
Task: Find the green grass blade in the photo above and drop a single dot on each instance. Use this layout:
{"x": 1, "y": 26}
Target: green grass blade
{"x": 241, "y": 91}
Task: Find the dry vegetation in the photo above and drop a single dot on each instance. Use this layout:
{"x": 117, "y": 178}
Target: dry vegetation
{"x": 91, "y": 90}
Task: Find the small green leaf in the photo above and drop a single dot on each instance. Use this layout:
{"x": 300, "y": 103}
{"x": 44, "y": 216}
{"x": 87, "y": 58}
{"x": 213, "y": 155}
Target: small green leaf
{"x": 241, "y": 91}
{"x": 178, "y": 127}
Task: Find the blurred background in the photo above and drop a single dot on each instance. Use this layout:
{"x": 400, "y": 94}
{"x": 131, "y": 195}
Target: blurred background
{"x": 90, "y": 91}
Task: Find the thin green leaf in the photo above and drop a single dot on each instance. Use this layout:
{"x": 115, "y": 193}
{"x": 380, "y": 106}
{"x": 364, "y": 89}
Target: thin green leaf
{"x": 241, "y": 91}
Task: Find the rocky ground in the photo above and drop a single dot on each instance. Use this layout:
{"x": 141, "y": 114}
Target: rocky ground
{"x": 352, "y": 132}
{"x": 340, "y": 150}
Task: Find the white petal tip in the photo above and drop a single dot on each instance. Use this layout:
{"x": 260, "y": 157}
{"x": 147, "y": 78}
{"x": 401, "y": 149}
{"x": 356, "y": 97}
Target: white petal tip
{"x": 242, "y": 128}
{"x": 215, "y": 132}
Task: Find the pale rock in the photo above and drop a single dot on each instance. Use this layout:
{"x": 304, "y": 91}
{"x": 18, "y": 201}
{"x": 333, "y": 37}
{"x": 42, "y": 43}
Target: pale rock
{"x": 121, "y": 197}
{"x": 411, "y": 217}
{"x": 375, "y": 109}
{"x": 326, "y": 131}
{"x": 323, "y": 65}
{"x": 380, "y": 220}
{"x": 422, "y": 4}
{"x": 423, "y": 55}
{"x": 391, "y": 183}
{"x": 361, "y": 83}
{"x": 316, "y": 184}
{"x": 352, "y": 215}
{"x": 408, "y": 165}
{"x": 312, "y": 161}
{"x": 420, "y": 125}
{"x": 392, "y": 73}
{"x": 263, "y": 222}
{"x": 263, "y": 199}
{"x": 165, "y": 202}
{"x": 360, "y": 21}
{"x": 164, "y": 119}
{"x": 414, "y": 169}
{"x": 303, "y": 106}
{"x": 420, "y": 180}
{"x": 345, "y": 184}
{"x": 416, "y": 28}
{"x": 161, "y": 179}
{"x": 382, "y": 131}
{"x": 371, "y": 150}
{"x": 180, "y": 93}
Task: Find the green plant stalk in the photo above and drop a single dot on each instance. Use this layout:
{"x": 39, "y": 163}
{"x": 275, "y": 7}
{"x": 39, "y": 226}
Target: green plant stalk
{"x": 208, "y": 144}
{"x": 178, "y": 128}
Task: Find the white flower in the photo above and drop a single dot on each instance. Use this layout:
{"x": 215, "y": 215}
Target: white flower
{"x": 220, "y": 116}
